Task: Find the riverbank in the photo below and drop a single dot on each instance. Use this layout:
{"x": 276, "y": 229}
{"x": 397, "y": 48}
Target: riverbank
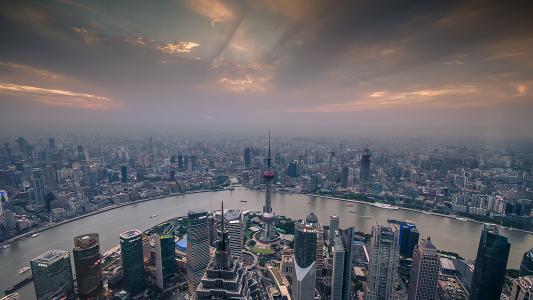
{"x": 452, "y": 216}
{"x": 98, "y": 211}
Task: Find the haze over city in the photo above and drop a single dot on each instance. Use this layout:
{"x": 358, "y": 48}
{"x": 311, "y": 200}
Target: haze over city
{"x": 451, "y": 68}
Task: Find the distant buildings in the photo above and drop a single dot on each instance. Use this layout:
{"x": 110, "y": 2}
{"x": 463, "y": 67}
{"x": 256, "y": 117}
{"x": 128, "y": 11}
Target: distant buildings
{"x": 522, "y": 288}
{"x": 52, "y": 275}
{"x": 38, "y": 186}
{"x": 383, "y": 264}
{"x": 87, "y": 264}
{"x": 124, "y": 173}
{"x": 131, "y": 250}
{"x": 341, "y": 281}
{"x": 198, "y": 254}
{"x": 248, "y": 157}
{"x": 526, "y": 265}
{"x": 491, "y": 263}
{"x": 424, "y": 272}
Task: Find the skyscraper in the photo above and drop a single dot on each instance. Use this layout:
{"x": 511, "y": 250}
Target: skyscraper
{"x": 131, "y": 250}
{"x": 526, "y": 265}
{"x": 248, "y": 157}
{"x": 225, "y": 277}
{"x": 344, "y": 176}
{"x": 87, "y": 256}
{"x": 408, "y": 239}
{"x": 383, "y": 264}
{"x": 364, "y": 172}
{"x": 522, "y": 288}
{"x": 52, "y": 275}
{"x": 165, "y": 258}
{"x": 234, "y": 224}
{"x": 51, "y": 143}
{"x": 341, "y": 281}
{"x": 268, "y": 232}
{"x": 313, "y": 184}
{"x": 124, "y": 173}
{"x": 38, "y": 186}
{"x": 305, "y": 250}
{"x": 197, "y": 248}
{"x": 333, "y": 227}
{"x": 491, "y": 263}
{"x": 424, "y": 272}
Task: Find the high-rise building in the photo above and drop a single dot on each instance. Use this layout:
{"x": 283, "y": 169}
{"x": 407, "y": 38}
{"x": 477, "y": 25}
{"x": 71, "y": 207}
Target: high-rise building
{"x": 198, "y": 254}
{"x": 522, "y": 288}
{"x": 408, "y": 239}
{"x": 364, "y": 172}
{"x": 131, "y": 250}
{"x": 383, "y": 264}
{"x": 333, "y": 227}
{"x": 305, "y": 250}
{"x": 52, "y": 275}
{"x": 341, "y": 280}
{"x": 344, "y": 176}
{"x": 526, "y": 265}
{"x": 124, "y": 173}
{"x": 293, "y": 169}
{"x": 225, "y": 277}
{"x": 268, "y": 232}
{"x": 87, "y": 256}
{"x": 235, "y": 226}
{"x": 248, "y": 157}
{"x": 165, "y": 258}
{"x": 51, "y": 143}
{"x": 491, "y": 263}
{"x": 38, "y": 186}
{"x": 424, "y": 272}
{"x": 313, "y": 184}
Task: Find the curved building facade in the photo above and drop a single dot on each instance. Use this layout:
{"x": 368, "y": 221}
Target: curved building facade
{"x": 131, "y": 250}
{"x": 86, "y": 254}
{"x": 526, "y": 266}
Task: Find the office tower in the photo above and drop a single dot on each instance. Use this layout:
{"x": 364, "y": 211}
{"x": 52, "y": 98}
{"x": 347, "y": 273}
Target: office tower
{"x": 383, "y": 264}
{"x": 424, "y": 272}
{"x": 293, "y": 169}
{"x": 225, "y": 277}
{"x": 165, "y": 258}
{"x": 234, "y": 223}
{"x": 491, "y": 263}
{"x": 526, "y": 265}
{"x": 341, "y": 280}
{"x": 305, "y": 242}
{"x": 87, "y": 256}
{"x": 212, "y": 230}
{"x": 131, "y": 250}
{"x": 10, "y": 222}
{"x": 364, "y": 172}
{"x": 333, "y": 227}
{"x": 313, "y": 188}
{"x": 124, "y": 173}
{"x": 52, "y": 275}
{"x": 38, "y": 186}
{"x": 51, "y": 143}
{"x": 180, "y": 162}
{"x": 344, "y": 176}
{"x": 268, "y": 232}
{"x": 247, "y": 157}
{"x": 408, "y": 239}
{"x": 197, "y": 248}
{"x": 522, "y": 288}
{"x": 173, "y": 159}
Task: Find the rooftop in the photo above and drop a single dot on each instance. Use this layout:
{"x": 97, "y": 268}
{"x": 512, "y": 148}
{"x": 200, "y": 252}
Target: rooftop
{"x": 50, "y": 257}
{"x": 130, "y": 233}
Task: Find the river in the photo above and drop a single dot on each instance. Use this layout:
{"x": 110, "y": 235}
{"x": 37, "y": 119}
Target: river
{"x": 446, "y": 233}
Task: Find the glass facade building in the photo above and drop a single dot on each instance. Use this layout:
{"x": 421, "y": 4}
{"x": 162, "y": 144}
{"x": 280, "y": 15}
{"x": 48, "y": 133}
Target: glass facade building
{"x": 131, "y": 250}
{"x": 52, "y": 275}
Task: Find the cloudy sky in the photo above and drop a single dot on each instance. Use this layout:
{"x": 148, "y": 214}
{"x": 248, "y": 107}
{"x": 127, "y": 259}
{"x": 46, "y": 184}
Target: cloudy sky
{"x": 296, "y": 66}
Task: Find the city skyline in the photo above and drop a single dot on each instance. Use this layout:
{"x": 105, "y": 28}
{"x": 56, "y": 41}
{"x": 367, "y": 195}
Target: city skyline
{"x": 455, "y": 68}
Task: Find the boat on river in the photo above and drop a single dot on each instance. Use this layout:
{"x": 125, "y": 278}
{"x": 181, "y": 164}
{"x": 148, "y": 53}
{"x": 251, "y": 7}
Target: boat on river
{"x": 23, "y": 270}
{"x": 384, "y": 205}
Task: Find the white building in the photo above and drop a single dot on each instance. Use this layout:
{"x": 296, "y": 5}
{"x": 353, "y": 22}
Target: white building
{"x": 383, "y": 264}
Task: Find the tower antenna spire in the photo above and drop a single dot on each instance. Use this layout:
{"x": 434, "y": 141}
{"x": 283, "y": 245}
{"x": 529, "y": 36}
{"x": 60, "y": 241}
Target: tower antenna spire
{"x": 222, "y": 233}
{"x": 269, "y": 158}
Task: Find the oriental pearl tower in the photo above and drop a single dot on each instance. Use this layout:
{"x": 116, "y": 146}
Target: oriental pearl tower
{"x": 268, "y": 232}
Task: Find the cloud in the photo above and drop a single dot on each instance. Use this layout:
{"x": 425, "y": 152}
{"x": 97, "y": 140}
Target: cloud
{"x": 31, "y": 70}
{"x": 215, "y": 10}
{"x": 90, "y": 38}
{"x": 242, "y": 77}
{"x": 58, "y": 97}
{"x": 391, "y": 100}
{"x": 178, "y": 48}
{"x": 521, "y": 90}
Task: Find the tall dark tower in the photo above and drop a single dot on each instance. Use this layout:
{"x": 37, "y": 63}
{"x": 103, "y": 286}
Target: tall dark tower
{"x": 268, "y": 232}
{"x": 364, "y": 175}
{"x": 491, "y": 263}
